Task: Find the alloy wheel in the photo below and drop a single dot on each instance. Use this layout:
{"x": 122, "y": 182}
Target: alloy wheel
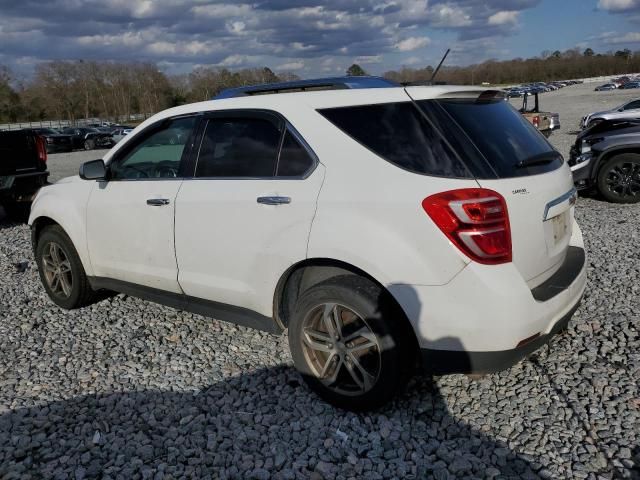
{"x": 623, "y": 180}
{"x": 341, "y": 349}
{"x": 57, "y": 270}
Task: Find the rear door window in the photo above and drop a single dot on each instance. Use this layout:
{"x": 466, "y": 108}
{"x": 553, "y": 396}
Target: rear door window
{"x": 400, "y": 134}
{"x": 239, "y": 147}
{"x": 294, "y": 160}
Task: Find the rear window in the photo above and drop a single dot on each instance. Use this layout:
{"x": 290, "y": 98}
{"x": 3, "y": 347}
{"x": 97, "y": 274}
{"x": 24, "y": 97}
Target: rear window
{"x": 400, "y": 134}
{"x": 506, "y": 141}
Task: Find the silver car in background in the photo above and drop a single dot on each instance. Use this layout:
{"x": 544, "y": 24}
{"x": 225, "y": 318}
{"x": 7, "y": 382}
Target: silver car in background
{"x": 627, "y": 111}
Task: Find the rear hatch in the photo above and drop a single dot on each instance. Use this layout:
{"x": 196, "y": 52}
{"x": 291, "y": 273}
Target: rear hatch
{"x": 18, "y": 153}
{"x": 508, "y": 155}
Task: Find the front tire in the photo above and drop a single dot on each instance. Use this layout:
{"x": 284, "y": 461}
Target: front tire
{"x": 351, "y": 343}
{"x": 89, "y": 144}
{"x": 619, "y": 178}
{"x": 61, "y": 270}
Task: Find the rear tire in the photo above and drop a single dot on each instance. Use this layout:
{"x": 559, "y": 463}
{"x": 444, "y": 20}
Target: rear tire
{"x": 354, "y": 371}
{"x": 619, "y": 178}
{"x": 61, "y": 270}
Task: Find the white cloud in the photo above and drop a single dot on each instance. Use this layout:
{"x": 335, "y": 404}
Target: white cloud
{"x": 412, "y": 43}
{"x": 612, "y": 39}
{"x": 236, "y": 27}
{"x": 235, "y": 60}
{"x": 502, "y": 18}
{"x": 365, "y": 59}
{"x": 291, "y": 66}
{"x": 618, "y": 5}
{"x": 447, "y": 16}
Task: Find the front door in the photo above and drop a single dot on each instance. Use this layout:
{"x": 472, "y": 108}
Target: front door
{"x": 245, "y": 216}
{"x": 130, "y": 217}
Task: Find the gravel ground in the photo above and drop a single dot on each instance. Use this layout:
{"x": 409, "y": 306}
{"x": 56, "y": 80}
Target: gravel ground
{"x": 66, "y": 164}
{"x": 128, "y": 389}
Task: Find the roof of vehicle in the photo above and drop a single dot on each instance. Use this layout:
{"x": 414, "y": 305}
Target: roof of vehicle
{"x": 291, "y": 103}
{"x": 331, "y": 83}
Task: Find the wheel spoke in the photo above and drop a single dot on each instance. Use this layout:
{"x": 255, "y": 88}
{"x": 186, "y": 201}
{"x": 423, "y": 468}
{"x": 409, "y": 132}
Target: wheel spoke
{"x": 48, "y": 264}
{"x": 65, "y": 266}
{"x": 55, "y": 282}
{"x": 65, "y": 284}
{"x": 332, "y": 321}
{"x": 54, "y": 252}
{"x": 333, "y": 360}
{"x": 333, "y": 378}
{"x": 364, "y": 379}
{"x": 317, "y": 340}
{"x": 360, "y": 347}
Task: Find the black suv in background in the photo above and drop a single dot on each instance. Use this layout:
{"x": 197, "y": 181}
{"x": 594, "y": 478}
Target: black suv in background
{"x": 55, "y": 141}
{"x": 606, "y": 157}
{"x": 23, "y": 170}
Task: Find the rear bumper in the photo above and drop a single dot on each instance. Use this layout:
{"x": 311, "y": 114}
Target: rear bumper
{"x": 487, "y": 317}
{"x": 444, "y": 362}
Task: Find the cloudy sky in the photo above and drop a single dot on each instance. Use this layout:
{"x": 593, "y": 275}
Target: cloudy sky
{"x": 308, "y": 37}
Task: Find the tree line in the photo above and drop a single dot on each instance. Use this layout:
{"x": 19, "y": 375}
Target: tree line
{"x": 72, "y": 90}
{"x": 549, "y": 66}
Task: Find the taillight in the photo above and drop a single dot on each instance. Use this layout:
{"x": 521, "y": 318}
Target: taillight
{"x": 41, "y": 148}
{"x": 536, "y": 121}
{"x": 475, "y": 220}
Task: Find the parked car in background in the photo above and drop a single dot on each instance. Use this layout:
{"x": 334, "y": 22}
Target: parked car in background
{"x": 628, "y": 111}
{"x": 606, "y": 87}
{"x": 23, "y": 170}
{"x": 120, "y": 133}
{"x": 545, "y": 122}
{"x": 629, "y": 85}
{"x": 88, "y": 138}
{"x": 310, "y": 210}
{"x": 606, "y": 157}
{"x": 55, "y": 141}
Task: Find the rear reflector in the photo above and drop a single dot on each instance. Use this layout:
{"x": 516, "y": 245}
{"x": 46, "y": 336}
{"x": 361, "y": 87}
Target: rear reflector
{"x": 536, "y": 121}
{"x": 475, "y": 220}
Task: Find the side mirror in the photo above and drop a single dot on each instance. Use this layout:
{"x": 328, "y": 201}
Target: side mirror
{"x": 93, "y": 170}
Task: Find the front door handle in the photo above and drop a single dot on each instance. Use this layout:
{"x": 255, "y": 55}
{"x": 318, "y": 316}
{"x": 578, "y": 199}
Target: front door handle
{"x": 158, "y": 202}
{"x": 274, "y": 200}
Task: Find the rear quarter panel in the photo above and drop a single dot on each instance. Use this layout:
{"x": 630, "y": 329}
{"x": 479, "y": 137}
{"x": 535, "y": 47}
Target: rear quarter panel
{"x": 370, "y": 214}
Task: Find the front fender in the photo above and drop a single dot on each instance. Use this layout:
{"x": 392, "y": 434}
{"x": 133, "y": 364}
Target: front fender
{"x": 66, "y": 205}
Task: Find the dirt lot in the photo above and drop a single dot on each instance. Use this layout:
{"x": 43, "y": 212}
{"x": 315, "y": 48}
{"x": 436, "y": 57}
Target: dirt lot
{"x": 572, "y": 103}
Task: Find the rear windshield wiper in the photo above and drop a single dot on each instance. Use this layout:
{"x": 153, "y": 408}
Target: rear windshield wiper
{"x": 539, "y": 159}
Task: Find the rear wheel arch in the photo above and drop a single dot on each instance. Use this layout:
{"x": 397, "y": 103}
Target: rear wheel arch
{"x": 310, "y": 272}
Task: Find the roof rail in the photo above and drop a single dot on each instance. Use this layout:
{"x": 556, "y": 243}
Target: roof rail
{"x": 333, "y": 83}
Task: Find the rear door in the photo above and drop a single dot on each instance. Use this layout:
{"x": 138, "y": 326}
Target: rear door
{"x": 245, "y": 216}
{"x": 525, "y": 169}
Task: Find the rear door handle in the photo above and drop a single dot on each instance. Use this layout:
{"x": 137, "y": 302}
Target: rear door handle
{"x": 274, "y": 200}
{"x": 158, "y": 202}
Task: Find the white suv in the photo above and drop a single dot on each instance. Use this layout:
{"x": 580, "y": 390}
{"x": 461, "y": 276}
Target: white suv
{"x": 384, "y": 227}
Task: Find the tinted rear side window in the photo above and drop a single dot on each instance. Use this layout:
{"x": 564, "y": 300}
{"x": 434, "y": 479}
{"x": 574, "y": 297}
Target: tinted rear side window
{"x": 506, "y": 140}
{"x": 238, "y": 147}
{"x": 400, "y": 134}
{"x": 294, "y": 160}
